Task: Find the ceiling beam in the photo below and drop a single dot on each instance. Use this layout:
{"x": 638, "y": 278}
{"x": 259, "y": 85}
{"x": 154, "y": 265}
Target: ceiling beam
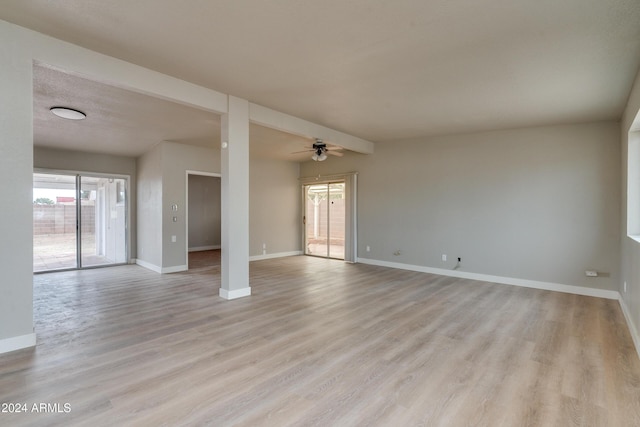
{"x": 284, "y": 122}
{"x": 56, "y": 54}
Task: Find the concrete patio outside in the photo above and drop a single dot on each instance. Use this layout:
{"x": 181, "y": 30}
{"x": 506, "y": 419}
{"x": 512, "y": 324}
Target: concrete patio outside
{"x": 58, "y": 251}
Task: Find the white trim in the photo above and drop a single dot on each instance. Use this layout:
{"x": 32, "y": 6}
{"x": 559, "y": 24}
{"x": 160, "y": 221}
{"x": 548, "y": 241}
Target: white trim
{"x": 149, "y": 266}
{"x": 548, "y": 286}
{"x": 326, "y": 179}
{"x": 351, "y": 218}
{"x": 630, "y": 324}
{"x": 186, "y": 209}
{"x": 634, "y": 237}
{"x": 17, "y": 343}
{"x": 236, "y": 293}
{"x": 174, "y": 269}
{"x": 274, "y": 255}
{"x": 161, "y": 270}
{"x": 204, "y": 248}
{"x": 202, "y": 173}
{"x": 73, "y": 172}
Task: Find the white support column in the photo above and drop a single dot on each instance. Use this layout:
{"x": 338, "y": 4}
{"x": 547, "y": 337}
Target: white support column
{"x": 235, "y": 200}
{"x": 16, "y": 175}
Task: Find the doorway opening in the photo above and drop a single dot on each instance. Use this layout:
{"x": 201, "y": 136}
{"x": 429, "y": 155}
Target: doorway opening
{"x": 325, "y": 219}
{"x": 79, "y": 220}
{"x": 204, "y": 218}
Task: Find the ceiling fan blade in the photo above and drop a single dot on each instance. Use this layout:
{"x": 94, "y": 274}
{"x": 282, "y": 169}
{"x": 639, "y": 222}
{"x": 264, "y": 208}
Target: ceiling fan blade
{"x": 335, "y": 153}
{"x": 303, "y": 151}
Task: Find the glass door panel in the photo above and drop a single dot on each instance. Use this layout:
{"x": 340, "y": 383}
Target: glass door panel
{"x": 316, "y": 220}
{"x": 336, "y": 205}
{"x": 325, "y": 219}
{"x": 102, "y": 219}
{"x": 54, "y": 222}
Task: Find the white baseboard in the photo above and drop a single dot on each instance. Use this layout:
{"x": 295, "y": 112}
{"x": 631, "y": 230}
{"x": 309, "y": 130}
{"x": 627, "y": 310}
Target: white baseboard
{"x": 174, "y": 269}
{"x": 630, "y": 323}
{"x": 548, "y": 286}
{"x": 149, "y": 266}
{"x": 179, "y": 268}
{"x": 204, "y": 248}
{"x": 236, "y": 293}
{"x": 161, "y": 270}
{"x": 17, "y": 343}
{"x": 275, "y": 255}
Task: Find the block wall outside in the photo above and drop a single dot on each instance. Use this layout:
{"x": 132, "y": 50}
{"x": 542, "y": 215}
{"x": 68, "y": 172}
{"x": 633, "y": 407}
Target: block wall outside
{"x": 61, "y": 219}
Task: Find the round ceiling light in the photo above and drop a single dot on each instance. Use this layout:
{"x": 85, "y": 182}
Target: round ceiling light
{"x": 68, "y": 113}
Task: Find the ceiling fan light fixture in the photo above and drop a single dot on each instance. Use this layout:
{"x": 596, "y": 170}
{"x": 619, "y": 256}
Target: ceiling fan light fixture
{"x": 319, "y": 155}
{"x": 68, "y": 113}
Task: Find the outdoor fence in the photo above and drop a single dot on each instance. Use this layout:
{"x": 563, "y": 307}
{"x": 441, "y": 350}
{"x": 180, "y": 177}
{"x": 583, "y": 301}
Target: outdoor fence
{"x": 61, "y": 219}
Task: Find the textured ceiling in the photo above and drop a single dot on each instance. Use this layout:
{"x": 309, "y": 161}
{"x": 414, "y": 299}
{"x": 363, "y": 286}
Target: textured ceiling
{"x": 376, "y": 69}
{"x": 126, "y": 123}
{"x": 118, "y": 121}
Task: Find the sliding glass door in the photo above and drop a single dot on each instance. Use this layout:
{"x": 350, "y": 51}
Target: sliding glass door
{"x": 102, "y": 216}
{"x": 54, "y": 222}
{"x": 79, "y": 221}
{"x": 325, "y": 220}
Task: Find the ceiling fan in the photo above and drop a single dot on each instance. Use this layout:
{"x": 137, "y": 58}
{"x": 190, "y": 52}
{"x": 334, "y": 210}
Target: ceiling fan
{"x": 320, "y": 150}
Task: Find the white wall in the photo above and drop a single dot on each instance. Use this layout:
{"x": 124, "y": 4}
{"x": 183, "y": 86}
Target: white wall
{"x": 16, "y": 175}
{"x": 630, "y": 249}
{"x": 274, "y": 203}
{"x": 161, "y": 184}
{"x": 176, "y": 160}
{"x": 76, "y": 161}
{"x": 149, "y": 208}
{"x": 204, "y": 212}
{"x": 274, "y": 207}
{"x": 50, "y": 158}
{"x": 539, "y": 204}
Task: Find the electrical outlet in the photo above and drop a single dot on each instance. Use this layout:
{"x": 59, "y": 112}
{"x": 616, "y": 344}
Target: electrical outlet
{"x": 591, "y": 273}
{"x": 444, "y": 257}
{"x": 625, "y": 287}
{"x": 174, "y": 239}
{"x": 368, "y": 248}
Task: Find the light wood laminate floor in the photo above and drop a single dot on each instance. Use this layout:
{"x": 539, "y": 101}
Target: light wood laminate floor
{"x": 320, "y": 342}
